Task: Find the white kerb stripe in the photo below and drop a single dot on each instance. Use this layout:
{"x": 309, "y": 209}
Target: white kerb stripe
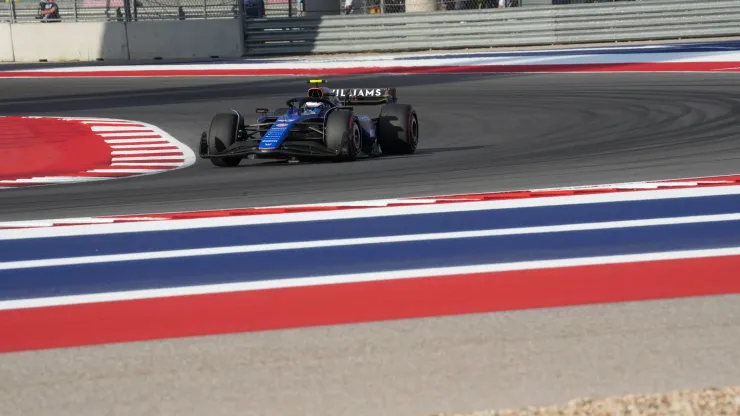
{"x": 89, "y": 220}
{"x": 96, "y": 119}
{"x": 120, "y": 128}
{"x": 144, "y": 146}
{"x": 145, "y": 151}
{"x": 329, "y": 215}
{"x": 360, "y": 277}
{"x": 134, "y": 158}
{"x": 211, "y": 251}
{"x": 54, "y": 179}
{"x": 51, "y": 223}
{"x": 146, "y": 140}
{"x": 124, "y": 170}
{"x": 147, "y": 164}
{"x": 111, "y": 122}
{"x": 131, "y": 134}
{"x": 27, "y": 224}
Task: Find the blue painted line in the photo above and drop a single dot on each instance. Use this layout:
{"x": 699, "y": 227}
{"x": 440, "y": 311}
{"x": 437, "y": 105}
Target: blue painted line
{"x": 150, "y": 274}
{"x": 728, "y": 46}
{"x": 679, "y": 47}
{"x": 43, "y": 248}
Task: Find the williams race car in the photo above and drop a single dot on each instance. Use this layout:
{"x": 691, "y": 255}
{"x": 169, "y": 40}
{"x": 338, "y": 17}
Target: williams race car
{"x": 321, "y": 125}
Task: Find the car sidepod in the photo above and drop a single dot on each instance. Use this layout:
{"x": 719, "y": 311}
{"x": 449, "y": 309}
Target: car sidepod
{"x": 276, "y": 134}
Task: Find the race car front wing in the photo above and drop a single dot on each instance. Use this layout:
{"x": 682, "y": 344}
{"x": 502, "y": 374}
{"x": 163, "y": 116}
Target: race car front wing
{"x": 251, "y": 147}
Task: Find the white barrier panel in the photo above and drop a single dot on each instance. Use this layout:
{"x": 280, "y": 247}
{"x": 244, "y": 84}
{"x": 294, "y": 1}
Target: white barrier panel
{"x": 181, "y": 39}
{"x": 69, "y": 42}
{"x": 6, "y": 45}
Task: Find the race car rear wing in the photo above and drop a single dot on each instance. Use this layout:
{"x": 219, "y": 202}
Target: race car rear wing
{"x": 354, "y": 96}
{"x": 365, "y": 96}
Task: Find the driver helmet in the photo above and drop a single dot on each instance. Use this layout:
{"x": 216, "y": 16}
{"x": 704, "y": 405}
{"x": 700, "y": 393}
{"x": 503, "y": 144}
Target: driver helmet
{"x": 313, "y": 108}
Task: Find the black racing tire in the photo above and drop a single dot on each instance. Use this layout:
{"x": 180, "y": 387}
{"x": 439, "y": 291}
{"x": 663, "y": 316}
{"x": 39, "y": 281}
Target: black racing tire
{"x": 398, "y": 129}
{"x": 343, "y": 133}
{"x": 221, "y": 135}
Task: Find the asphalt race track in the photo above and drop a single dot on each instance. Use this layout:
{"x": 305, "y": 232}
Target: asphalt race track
{"x": 478, "y": 133}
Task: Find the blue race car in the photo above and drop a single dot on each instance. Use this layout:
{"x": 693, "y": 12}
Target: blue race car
{"x": 320, "y": 125}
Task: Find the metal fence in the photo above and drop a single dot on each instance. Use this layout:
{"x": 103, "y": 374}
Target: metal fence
{"x": 517, "y": 26}
{"x": 295, "y": 8}
{"x": 282, "y": 27}
{"x": 26, "y": 11}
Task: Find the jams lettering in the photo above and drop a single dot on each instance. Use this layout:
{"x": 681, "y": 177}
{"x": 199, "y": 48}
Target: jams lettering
{"x": 359, "y": 92}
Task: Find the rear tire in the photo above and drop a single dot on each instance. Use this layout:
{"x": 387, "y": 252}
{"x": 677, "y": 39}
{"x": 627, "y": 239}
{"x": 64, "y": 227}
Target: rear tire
{"x": 398, "y": 129}
{"x": 221, "y": 135}
{"x": 343, "y": 133}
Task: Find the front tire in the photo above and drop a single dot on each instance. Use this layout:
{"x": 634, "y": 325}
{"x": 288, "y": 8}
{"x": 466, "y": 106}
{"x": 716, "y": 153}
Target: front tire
{"x": 221, "y": 135}
{"x": 398, "y": 129}
{"x": 343, "y": 134}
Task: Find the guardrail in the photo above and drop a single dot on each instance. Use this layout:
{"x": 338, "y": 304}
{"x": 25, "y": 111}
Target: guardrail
{"x": 535, "y": 26}
{"x": 25, "y": 11}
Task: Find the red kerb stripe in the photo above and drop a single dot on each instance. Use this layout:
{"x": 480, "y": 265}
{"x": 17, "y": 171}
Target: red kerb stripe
{"x": 121, "y": 321}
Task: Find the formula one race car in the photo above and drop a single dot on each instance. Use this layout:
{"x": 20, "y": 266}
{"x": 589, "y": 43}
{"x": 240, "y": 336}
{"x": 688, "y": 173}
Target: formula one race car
{"x": 321, "y": 125}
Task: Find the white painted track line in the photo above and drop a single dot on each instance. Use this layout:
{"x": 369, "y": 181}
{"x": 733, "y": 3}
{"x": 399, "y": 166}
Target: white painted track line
{"x": 304, "y": 281}
{"x": 255, "y": 248}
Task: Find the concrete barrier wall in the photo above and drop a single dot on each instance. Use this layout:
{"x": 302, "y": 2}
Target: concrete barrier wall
{"x": 575, "y": 24}
{"x": 69, "y": 42}
{"x": 185, "y": 39}
{"x": 6, "y": 43}
{"x": 118, "y": 41}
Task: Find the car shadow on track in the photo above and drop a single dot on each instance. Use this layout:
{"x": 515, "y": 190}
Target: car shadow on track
{"x": 255, "y": 163}
{"x": 434, "y": 150}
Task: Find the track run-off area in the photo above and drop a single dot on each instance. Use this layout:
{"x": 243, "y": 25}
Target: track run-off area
{"x": 556, "y": 235}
